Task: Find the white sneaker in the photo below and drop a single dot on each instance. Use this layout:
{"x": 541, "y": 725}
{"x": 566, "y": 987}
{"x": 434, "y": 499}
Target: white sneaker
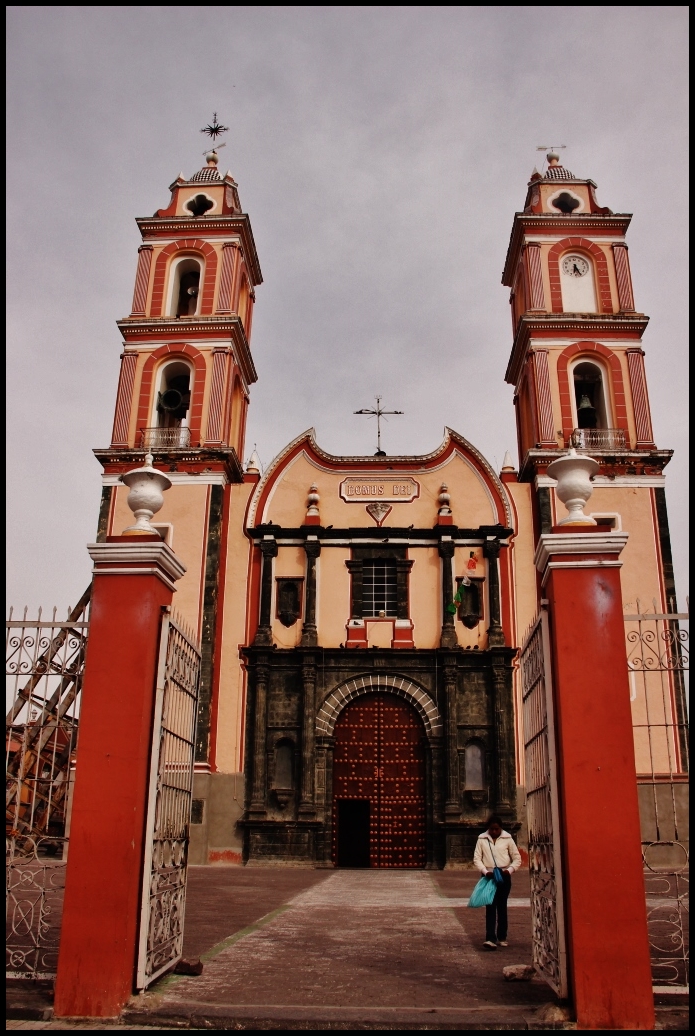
{"x": 489, "y": 945}
{"x": 502, "y": 942}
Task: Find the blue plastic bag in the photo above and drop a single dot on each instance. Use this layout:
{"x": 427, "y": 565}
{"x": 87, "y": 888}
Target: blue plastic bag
{"x": 483, "y": 893}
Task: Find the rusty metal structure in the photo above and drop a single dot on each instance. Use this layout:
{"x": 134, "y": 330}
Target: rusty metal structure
{"x": 44, "y": 666}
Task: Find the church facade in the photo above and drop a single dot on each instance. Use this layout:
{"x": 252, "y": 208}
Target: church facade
{"x": 360, "y": 617}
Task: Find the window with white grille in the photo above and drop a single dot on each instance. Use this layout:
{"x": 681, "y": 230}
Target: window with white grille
{"x": 379, "y": 589}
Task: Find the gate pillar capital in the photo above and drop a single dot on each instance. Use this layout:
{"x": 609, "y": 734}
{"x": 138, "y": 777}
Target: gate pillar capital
{"x": 608, "y": 947}
{"x": 134, "y": 579}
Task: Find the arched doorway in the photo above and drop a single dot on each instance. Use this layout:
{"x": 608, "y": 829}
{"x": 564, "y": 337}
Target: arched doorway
{"x": 379, "y": 784}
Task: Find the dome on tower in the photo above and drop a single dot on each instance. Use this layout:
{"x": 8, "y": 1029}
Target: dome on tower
{"x": 555, "y": 171}
{"x": 208, "y": 173}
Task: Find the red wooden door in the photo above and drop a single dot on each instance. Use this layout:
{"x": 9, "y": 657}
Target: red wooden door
{"x": 379, "y": 758}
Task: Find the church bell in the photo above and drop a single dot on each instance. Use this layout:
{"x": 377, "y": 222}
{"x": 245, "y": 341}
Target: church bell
{"x": 586, "y": 413}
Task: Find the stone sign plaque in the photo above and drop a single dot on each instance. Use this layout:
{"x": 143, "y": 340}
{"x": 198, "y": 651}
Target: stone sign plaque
{"x": 393, "y": 490}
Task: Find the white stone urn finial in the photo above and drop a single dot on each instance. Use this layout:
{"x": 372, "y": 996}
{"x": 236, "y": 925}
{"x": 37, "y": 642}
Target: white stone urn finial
{"x": 444, "y": 500}
{"x": 146, "y": 496}
{"x": 313, "y": 499}
{"x": 573, "y": 474}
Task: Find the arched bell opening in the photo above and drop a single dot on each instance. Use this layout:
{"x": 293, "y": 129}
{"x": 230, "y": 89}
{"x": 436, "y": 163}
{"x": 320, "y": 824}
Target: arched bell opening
{"x": 173, "y": 396}
{"x": 593, "y": 418}
{"x": 184, "y": 296}
{"x": 590, "y": 396}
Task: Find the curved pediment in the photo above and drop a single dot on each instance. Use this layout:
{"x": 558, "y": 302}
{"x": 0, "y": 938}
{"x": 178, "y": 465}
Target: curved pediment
{"x": 407, "y": 488}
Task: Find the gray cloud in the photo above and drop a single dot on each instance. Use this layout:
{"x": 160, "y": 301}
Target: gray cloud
{"x": 381, "y": 153}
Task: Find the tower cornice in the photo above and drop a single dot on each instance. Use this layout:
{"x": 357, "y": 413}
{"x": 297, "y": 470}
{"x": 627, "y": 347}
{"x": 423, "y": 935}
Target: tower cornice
{"x": 201, "y": 461}
{"x": 571, "y": 326}
{"x": 628, "y": 466}
{"x": 560, "y": 226}
{"x": 204, "y": 227}
{"x": 185, "y": 329}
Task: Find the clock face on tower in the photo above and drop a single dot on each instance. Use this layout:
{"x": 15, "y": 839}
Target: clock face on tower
{"x": 574, "y": 266}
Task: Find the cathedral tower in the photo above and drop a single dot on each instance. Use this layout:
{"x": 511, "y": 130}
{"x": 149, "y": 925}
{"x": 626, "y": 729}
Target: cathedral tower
{"x": 183, "y": 391}
{"x": 577, "y": 366}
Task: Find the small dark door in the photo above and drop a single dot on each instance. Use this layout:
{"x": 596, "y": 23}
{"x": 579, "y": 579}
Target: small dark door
{"x": 379, "y": 760}
{"x": 353, "y": 832}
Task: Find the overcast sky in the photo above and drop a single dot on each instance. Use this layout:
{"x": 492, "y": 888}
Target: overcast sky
{"x": 381, "y": 153}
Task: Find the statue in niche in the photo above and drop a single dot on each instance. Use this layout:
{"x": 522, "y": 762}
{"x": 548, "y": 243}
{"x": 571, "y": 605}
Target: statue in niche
{"x": 289, "y": 601}
{"x": 469, "y": 599}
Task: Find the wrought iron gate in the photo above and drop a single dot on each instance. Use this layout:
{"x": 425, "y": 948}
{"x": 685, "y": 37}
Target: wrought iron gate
{"x": 169, "y": 805}
{"x": 547, "y": 911}
{"x": 44, "y": 668}
{"x": 657, "y": 658}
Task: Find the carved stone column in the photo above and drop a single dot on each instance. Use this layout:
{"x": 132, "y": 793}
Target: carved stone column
{"x": 446, "y": 553}
{"x": 264, "y": 633}
{"x": 503, "y": 705}
{"x": 452, "y": 808}
{"x": 307, "y": 809}
{"x": 312, "y": 546}
{"x": 258, "y": 787}
{"x": 491, "y": 550}
{"x": 325, "y": 746}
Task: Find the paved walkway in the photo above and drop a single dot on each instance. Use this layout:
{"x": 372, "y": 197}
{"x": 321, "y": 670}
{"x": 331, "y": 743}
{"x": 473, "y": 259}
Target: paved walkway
{"x": 359, "y": 946}
{"x": 291, "y": 948}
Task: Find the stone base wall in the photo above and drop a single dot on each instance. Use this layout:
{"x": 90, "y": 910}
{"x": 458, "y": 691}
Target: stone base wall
{"x": 218, "y": 806}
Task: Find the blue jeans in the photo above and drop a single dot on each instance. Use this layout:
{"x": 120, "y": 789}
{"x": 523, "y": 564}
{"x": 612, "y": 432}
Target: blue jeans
{"x": 496, "y": 913}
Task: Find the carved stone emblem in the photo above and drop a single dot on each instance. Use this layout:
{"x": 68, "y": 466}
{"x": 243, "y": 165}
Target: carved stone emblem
{"x": 378, "y": 511}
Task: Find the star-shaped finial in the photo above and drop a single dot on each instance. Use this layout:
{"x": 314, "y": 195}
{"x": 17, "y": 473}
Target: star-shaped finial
{"x": 214, "y": 129}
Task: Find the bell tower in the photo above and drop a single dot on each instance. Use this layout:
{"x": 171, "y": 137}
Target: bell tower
{"x": 577, "y": 363}
{"x": 183, "y": 391}
{"x": 186, "y": 366}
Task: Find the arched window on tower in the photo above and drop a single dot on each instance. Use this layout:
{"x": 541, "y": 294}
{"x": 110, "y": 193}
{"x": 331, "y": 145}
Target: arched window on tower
{"x": 577, "y": 281}
{"x": 593, "y": 426}
{"x": 185, "y": 288}
{"x": 172, "y": 405}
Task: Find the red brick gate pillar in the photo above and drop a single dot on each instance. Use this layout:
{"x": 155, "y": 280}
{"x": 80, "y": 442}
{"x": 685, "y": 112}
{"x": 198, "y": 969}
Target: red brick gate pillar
{"x": 134, "y": 579}
{"x": 608, "y": 948}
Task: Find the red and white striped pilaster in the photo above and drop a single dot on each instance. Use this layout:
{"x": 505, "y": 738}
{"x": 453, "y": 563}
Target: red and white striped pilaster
{"x": 622, "y": 274}
{"x": 142, "y": 280}
{"x": 640, "y": 399}
{"x": 124, "y": 399}
{"x": 220, "y": 363}
{"x": 535, "y": 276}
{"x": 544, "y": 402}
{"x": 224, "y": 298}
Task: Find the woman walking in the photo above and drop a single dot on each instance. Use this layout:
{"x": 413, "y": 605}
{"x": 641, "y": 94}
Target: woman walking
{"x": 496, "y": 848}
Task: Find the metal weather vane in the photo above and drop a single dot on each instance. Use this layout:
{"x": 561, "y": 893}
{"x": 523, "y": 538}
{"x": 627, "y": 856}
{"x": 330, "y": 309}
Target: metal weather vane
{"x": 377, "y": 412}
{"x": 214, "y": 129}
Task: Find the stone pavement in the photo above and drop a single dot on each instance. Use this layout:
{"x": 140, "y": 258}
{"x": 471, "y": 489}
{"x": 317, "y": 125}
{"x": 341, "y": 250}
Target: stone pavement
{"x": 357, "y": 948}
{"x": 291, "y": 948}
